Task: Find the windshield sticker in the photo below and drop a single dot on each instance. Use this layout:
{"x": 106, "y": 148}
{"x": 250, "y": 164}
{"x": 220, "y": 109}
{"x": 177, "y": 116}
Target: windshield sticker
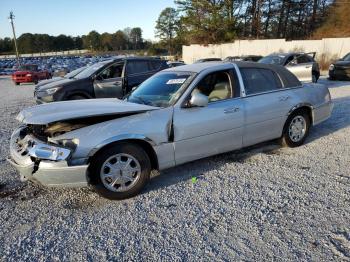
{"x": 176, "y": 81}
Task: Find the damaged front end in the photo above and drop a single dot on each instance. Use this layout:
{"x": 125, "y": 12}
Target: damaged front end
{"x": 40, "y": 159}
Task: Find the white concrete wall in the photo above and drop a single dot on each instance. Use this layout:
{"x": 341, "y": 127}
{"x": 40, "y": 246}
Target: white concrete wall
{"x": 329, "y": 47}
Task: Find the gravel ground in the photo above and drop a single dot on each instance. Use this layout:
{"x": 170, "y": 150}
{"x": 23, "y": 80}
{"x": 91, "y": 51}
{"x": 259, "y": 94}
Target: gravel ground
{"x": 261, "y": 203}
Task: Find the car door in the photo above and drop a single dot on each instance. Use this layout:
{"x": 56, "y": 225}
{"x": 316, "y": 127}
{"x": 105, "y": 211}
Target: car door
{"x": 137, "y": 71}
{"x": 301, "y": 67}
{"x": 266, "y": 105}
{"x": 216, "y": 128}
{"x": 109, "y": 82}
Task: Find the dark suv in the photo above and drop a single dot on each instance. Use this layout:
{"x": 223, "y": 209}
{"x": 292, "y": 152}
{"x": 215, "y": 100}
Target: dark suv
{"x": 110, "y": 78}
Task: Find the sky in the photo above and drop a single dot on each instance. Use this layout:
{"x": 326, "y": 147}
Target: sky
{"x": 78, "y": 17}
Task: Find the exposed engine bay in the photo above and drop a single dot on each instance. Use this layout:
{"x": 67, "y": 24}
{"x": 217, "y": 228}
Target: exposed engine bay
{"x": 50, "y": 130}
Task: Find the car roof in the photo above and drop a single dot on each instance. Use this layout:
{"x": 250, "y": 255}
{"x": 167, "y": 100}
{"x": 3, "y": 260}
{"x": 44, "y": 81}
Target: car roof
{"x": 287, "y": 54}
{"x": 217, "y": 65}
{"x": 288, "y": 78}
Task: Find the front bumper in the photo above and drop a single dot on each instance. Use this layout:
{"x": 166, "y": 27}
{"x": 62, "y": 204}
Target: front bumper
{"x": 46, "y": 172}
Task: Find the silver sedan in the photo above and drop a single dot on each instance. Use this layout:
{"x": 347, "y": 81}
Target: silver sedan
{"x": 178, "y": 115}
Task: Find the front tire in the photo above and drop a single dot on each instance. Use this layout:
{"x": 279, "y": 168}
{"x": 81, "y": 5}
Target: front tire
{"x": 76, "y": 97}
{"x": 296, "y": 129}
{"x": 120, "y": 171}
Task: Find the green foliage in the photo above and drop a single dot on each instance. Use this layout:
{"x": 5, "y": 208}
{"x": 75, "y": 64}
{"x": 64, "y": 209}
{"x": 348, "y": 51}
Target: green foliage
{"x": 167, "y": 24}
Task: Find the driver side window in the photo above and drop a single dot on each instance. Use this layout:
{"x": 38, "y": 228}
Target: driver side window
{"x": 113, "y": 71}
{"x": 216, "y": 86}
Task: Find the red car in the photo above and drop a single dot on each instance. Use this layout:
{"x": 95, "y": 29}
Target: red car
{"x": 29, "y": 74}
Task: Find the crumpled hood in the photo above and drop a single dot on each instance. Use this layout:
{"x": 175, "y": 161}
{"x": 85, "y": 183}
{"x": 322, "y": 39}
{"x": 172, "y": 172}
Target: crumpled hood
{"x": 67, "y": 110}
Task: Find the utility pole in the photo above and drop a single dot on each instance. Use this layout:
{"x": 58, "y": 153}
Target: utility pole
{"x": 11, "y": 17}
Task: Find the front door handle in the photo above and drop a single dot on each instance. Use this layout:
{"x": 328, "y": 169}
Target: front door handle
{"x": 231, "y": 110}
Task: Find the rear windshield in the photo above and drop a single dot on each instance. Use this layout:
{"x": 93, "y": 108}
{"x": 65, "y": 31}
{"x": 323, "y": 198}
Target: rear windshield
{"x": 272, "y": 59}
{"x": 28, "y": 68}
{"x": 347, "y": 57}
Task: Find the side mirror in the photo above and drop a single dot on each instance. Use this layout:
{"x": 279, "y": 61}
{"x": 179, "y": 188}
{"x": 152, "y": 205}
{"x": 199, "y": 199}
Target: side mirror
{"x": 199, "y": 100}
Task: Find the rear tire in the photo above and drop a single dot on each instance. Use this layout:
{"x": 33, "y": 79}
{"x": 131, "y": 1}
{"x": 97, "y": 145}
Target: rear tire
{"x": 296, "y": 129}
{"x": 16, "y": 83}
{"x": 120, "y": 171}
{"x": 36, "y": 81}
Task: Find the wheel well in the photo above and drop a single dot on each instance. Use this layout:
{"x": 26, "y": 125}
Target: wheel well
{"x": 305, "y": 109}
{"x": 143, "y": 144}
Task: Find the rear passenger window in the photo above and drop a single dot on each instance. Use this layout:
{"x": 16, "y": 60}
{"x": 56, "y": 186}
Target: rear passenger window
{"x": 137, "y": 67}
{"x": 257, "y": 80}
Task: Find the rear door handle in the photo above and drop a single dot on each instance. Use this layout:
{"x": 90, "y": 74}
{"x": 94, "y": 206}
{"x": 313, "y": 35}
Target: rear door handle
{"x": 231, "y": 110}
{"x": 284, "y": 98}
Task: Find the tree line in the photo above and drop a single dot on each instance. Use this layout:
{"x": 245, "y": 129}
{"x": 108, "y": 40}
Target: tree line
{"x": 199, "y": 22}
{"x": 127, "y": 39}
{"x": 220, "y": 21}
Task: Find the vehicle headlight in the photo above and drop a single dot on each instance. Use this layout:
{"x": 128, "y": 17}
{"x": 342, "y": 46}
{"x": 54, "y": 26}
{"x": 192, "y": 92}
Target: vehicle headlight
{"x": 51, "y": 91}
{"x": 49, "y": 152}
{"x": 28, "y": 75}
{"x": 331, "y": 67}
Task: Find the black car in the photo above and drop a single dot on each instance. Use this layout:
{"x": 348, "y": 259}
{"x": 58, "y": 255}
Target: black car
{"x": 340, "y": 70}
{"x": 110, "y": 78}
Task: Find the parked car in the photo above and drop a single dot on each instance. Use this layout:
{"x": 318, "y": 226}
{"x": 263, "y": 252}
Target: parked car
{"x": 251, "y": 58}
{"x": 303, "y": 65}
{"x": 179, "y": 115}
{"x": 29, "y": 74}
{"x": 340, "y": 70}
{"x": 110, "y": 78}
{"x": 55, "y": 79}
{"x": 207, "y": 60}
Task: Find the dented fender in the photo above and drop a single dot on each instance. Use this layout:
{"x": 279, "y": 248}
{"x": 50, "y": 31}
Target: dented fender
{"x": 151, "y": 126}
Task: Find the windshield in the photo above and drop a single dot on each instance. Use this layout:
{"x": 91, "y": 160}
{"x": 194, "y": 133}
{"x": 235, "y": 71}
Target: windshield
{"x": 28, "y": 68}
{"x": 272, "y": 59}
{"x": 89, "y": 71}
{"x": 347, "y": 57}
{"x": 74, "y": 72}
{"x": 162, "y": 89}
